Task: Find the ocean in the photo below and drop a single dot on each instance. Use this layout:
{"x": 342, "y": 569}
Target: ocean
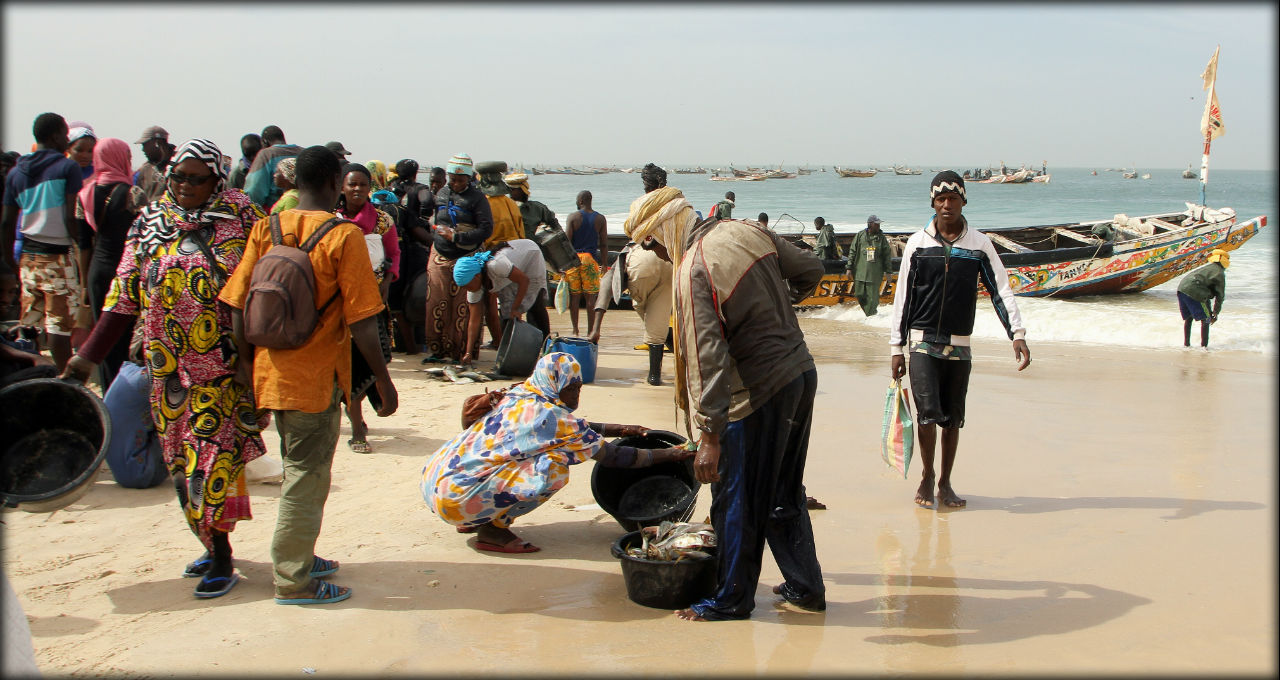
{"x": 1144, "y": 320}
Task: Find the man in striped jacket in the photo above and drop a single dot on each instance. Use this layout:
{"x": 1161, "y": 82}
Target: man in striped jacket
{"x": 933, "y": 310}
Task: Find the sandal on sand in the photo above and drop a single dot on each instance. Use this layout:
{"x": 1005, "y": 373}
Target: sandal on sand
{"x": 467, "y": 530}
{"x": 227, "y": 582}
{"x": 321, "y": 567}
{"x": 812, "y": 503}
{"x": 326, "y": 593}
{"x": 515, "y": 545}
{"x": 434, "y": 359}
{"x": 200, "y": 567}
{"x": 359, "y": 446}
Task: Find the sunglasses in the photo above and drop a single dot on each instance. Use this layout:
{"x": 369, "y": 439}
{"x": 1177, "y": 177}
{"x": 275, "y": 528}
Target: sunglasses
{"x": 193, "y": 180}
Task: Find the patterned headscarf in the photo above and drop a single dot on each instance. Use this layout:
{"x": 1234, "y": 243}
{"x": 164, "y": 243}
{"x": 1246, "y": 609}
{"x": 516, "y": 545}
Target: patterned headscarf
{"x": 377, "y": 174}
{"x": 289, "y": 168}
{"x": 518, "y": 180}
{"x": 163, "y": 219}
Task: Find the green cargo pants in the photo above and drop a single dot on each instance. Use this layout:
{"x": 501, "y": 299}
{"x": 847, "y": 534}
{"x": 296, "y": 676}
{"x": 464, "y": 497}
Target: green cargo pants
{"x": 307, "y": 444}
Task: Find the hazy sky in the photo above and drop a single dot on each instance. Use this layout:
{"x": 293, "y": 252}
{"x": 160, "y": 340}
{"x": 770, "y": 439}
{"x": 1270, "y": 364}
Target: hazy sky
{"x": 1079, "y": 85}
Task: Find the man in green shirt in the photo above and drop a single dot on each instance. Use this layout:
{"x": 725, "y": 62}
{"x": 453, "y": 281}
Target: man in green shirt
{"x": 1196, "y": 289}
{"x": 825, "y": 245}
{"x": 868, "y": 263}
{"x": 724, "y": 209}
{"x": 533, "y": 213}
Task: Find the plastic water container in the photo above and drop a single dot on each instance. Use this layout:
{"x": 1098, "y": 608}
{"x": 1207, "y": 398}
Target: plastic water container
{"x": 582, "y": 349}
{"x": 55, "y": 438}
{"x": 519, "y": 349}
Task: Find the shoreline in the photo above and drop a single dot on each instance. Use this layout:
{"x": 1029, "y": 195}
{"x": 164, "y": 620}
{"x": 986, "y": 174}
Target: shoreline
{"x": 1106, "y": 487}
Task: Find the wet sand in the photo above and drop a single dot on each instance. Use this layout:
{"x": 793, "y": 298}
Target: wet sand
{"x": 1120, "y": 519}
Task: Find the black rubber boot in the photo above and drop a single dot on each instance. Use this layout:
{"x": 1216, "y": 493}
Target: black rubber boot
{"x": 655, "y": 364}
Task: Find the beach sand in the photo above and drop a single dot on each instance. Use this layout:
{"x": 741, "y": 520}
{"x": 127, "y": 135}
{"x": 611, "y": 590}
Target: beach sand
{"x": 1120, "y": 519}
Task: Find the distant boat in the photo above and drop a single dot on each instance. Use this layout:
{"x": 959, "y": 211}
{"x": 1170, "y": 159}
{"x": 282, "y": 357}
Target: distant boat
{"x": 1146, "y": 175}
{"x": 691, "y": 171}
{"x": 1130, "y": 175}
{"x": 855, "y": 173}
{"x": 1188, "y": 173}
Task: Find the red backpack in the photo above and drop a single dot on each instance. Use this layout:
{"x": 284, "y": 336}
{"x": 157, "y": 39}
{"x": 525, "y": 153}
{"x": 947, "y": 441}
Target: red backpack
{"x": 280, "y": 310}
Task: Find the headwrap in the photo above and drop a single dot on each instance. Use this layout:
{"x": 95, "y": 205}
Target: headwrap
{"x": 289, "y": 168}
{"x": 406, "y": 167}
{"x": 518, "y": 180}
{"x": 665, "y": 215}
{"x": 112, "y": 162}
{"x": 653, "y": 176}
{"x": 466, "y": 268}
{"x": 163, "y": 218}
{"x": 377, "y": 173}
{"x": 461, "y": 164}
{"x": 80, "y": 131}
{"x": 945, "y": 181}
{"x": 1221, "y": 257}
{"x": 528, "y": 437}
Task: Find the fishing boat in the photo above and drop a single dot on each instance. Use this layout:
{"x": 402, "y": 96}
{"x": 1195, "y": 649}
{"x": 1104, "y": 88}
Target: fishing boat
{"x": 1042, "y": 179}
{"x": 1188, "y": 173}
{"x": 1069, "y": 260}
{"x": 1019, "y": 177}
{"x": 691, "y": 171}
{"x": 1119, "y": 255}
{"x": 1130, "y": 175}
{"x": 855, "y": 173}
{"x": 1146, "y": 175}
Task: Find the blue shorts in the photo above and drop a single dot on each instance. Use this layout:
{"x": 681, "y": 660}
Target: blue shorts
{"x": 1192, "y": 310}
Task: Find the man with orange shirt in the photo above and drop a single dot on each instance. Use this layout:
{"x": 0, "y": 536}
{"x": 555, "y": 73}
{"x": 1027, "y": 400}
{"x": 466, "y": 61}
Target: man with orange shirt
{"x": 306, "y": 386}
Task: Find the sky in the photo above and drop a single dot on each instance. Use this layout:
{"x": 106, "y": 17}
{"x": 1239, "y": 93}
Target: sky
{"x": 856, "y": 85}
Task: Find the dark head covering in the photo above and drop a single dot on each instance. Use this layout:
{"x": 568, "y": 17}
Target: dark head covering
{"x": 406, "y": 168}
{"x": 945, "y": 181}
{"x": 653, "y": 176}
{"x": 356, "y": 167}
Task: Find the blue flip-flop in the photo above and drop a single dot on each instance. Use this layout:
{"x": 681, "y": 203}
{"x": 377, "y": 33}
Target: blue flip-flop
{"x": 326, "y": 593}
{"x": 200, "y": 567}
{"x": 228, "y": 581}
{"x": 322, "y": 567}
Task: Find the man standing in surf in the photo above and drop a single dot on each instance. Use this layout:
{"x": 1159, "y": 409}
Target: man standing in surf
{"x": 933, "y": 310}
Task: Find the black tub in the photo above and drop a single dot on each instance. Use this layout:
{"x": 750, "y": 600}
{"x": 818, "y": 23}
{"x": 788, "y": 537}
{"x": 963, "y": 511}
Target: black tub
{"x": 54, "y": 438}
{"x": 671, "y": 496}
{"x": 664, "y": 584}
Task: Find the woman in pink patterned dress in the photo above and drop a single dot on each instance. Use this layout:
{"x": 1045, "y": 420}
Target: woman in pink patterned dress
{"x": 180, "y": 251}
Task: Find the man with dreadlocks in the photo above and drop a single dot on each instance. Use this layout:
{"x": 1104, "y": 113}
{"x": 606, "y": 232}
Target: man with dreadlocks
{"x": 933, "y": 310}
{"x": 746, "y": 380}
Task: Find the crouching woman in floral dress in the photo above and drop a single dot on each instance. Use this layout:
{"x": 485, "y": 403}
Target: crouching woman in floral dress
{"x": 518, "y": 455}
{"x": 179, "y": 252}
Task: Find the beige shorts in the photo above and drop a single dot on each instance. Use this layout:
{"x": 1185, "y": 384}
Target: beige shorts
{"x": 51, "y": 293}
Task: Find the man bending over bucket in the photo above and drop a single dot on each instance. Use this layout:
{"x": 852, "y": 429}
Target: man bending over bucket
{"x": 745, "y": 378}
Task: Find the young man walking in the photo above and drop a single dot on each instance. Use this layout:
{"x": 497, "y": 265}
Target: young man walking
{"x": 43, "y": 186}
{"x": 306, "y": 386}
{"x": 933, "y": 310}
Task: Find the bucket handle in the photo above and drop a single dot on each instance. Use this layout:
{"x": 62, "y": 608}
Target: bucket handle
{"x": 616, "y": 550}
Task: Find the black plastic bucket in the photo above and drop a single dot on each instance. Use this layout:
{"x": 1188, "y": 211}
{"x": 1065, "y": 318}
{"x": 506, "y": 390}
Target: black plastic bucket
{"x": 661, "y": 583}
{"x": 55, "y": 437}
{"x": 640, "y": 497}
{"x": 519, "y": 349}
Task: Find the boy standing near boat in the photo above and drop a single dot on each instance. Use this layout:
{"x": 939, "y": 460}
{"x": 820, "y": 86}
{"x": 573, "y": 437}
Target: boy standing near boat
{"x": 933, "y": 310}
{"x": 1197, "y": 289}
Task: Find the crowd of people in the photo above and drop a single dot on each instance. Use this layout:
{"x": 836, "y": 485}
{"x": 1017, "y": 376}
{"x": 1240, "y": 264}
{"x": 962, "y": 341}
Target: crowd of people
{"x": 273, "y": 287}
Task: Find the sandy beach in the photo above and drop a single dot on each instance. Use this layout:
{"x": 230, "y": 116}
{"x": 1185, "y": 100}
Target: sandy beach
{"x": 1120, "y": 518}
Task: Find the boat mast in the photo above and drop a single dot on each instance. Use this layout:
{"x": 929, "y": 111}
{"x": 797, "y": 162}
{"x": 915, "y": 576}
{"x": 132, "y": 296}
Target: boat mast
{"x": 1211, "y": 123}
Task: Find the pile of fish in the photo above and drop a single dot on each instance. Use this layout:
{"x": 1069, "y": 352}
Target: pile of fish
{"x": 673, "y": 541}
{"x": 463, "y": 375}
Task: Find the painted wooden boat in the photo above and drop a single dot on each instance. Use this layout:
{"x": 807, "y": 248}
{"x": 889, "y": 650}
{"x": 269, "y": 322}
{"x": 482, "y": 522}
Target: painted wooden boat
{"x": 1067, "y": 260}
{"x": 855, "y": 173}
